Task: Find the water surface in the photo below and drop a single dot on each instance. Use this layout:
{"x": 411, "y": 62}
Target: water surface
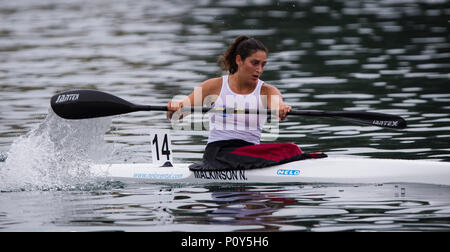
{"x": 380, "y": 56}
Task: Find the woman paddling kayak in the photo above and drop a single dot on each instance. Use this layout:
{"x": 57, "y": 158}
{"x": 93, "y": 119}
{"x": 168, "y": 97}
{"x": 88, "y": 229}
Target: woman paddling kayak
{"x": 234, "y": 139}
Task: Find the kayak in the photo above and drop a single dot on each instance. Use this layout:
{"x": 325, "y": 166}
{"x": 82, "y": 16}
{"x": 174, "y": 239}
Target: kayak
{"x": 353, "y": 170}
{"x": 85, "y": 104}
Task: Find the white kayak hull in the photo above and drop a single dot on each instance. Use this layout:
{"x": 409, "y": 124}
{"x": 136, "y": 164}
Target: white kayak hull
{"x": 327, "y": 170}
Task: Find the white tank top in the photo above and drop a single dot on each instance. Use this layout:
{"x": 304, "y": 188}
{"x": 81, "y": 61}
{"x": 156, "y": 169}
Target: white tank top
{"x": 247, "y": 127}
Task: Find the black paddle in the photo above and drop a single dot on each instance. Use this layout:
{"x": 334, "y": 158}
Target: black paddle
{"x": 84, "y": 104}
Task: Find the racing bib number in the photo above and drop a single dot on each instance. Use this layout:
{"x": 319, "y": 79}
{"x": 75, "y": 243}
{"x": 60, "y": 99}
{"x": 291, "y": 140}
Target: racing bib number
{"x": 161, "y": 147}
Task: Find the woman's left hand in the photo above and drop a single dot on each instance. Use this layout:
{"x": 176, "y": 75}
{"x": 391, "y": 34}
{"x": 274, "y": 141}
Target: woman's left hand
{"x": 283, "y": 110}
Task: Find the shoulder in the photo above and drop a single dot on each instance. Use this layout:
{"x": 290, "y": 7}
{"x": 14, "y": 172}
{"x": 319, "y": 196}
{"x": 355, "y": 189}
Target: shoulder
{"x": 268, "y": 89}
{"x": 209, "y": 88}
{"x": 213, "y": 82}
{"x": 212, "y": 86}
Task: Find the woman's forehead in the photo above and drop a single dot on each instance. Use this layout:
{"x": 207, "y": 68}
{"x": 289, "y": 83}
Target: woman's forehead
{"x": 260, "y": 55}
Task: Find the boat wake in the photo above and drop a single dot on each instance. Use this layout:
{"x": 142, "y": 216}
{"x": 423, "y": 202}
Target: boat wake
{"x": 56, "y": 155}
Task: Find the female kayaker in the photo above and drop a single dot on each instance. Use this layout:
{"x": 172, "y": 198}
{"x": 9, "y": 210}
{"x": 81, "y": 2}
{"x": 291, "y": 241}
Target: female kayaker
{"x": 245, "y": 60}
{"x": 234, "y": 139}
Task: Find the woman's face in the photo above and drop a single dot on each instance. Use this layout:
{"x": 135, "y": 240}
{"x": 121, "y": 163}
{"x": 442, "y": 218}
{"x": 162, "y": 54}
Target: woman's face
{"x": 252, "y": 67}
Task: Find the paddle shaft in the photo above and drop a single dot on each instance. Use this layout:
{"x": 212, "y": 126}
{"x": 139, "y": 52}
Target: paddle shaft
{"x": 84, "y": 104}
{"x": 368, "y": 118}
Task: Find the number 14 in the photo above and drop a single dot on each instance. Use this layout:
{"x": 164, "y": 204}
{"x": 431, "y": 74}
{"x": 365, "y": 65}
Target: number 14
{"x": 165, "y": 150}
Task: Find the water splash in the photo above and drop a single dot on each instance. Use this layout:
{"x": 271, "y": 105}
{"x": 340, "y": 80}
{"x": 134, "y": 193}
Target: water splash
{"x": 55, "y": 155}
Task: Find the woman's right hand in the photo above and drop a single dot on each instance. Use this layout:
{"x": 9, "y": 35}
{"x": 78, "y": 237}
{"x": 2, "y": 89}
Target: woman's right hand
{"x": 172, "y": 107}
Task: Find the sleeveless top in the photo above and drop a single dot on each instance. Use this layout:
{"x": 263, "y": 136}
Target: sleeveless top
{"x": 247, "y": 127}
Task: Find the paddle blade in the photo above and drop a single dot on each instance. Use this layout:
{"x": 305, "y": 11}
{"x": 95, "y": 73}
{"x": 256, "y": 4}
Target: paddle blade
{"x": 83, "y": 104}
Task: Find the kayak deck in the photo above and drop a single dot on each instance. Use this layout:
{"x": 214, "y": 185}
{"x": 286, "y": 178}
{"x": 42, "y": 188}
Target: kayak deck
{"x": 327, "y": 170}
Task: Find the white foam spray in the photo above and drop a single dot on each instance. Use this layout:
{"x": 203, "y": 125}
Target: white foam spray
{"x": 55, "y": 155}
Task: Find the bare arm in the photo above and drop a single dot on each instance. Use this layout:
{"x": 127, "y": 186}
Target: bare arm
{"x": 274, "y": 100}
{"x": 205, "y": 93}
